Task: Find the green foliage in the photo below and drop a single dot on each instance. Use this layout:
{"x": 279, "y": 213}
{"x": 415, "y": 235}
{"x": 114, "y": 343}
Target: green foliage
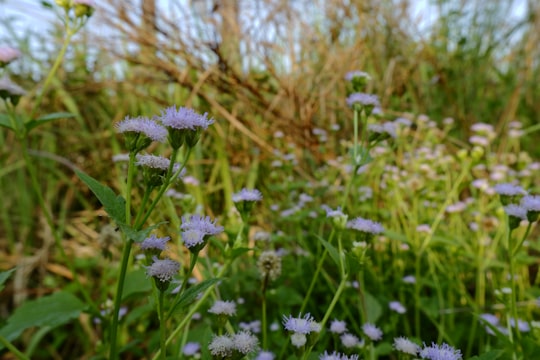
{"x": 50, "y": 311}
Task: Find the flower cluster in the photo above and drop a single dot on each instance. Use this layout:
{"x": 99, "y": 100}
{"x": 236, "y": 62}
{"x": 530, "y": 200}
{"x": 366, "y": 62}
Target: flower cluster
{"x": 239, "y": 345}
{"x": 196, "y": 230}
{"x": 300, "y": 327}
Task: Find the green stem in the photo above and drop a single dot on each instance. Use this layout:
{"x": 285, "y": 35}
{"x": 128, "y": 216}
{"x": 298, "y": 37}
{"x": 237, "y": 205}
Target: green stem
{"x": 328, "y": 313}
{"x": 130, "y": 176}
{"x": 113, "y": 355}
{"x": 316, "y": 275}
{"x": 263, "y": 320}
{"x": 162, "y": 327}
{"x": 69, "y": 34}
{"x": 518, "y": 246}
{"x": 193, "y": 310}
{"x": 171, "y": 177}
{"x": 13, "y": 349}
{"x": 193, "y": 262}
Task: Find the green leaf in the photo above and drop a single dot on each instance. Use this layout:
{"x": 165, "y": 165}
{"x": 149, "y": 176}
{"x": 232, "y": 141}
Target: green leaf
{"x": 373, "y": 308}
{"x": 139, "y": 236}
{"x": 51, "y": 311}
{"x": 191, "y": 294}
{"x": 4, "y": 122}
{"x": 334, "y": 254}
{"x": 4, "y": 275}
{"x": 136, "y": 282}
{"x": 114, "y": 205}
{"x": 238, "y": 252}
{"x": 46, "y": 119}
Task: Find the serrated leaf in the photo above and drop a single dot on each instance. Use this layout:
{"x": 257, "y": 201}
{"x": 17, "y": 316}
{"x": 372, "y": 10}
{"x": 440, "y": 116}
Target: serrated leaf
{"x": 191, "y": 294}
{"x": 4, "y": 275}
{"x": 46, "y": 119}
{"x": 53, "y": 310}
{"x": 114, "y": 205}
{"x": 4, "y": 122}
{"x": 334, "y": 254}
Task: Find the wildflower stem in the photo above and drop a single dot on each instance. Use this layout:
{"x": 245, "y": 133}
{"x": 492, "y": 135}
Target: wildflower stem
{"x": 263, "y": 320}
{"x": 335, "y": 299}
{"x": 131, "y": 169}
{"x": 162, "y": 323}
{"x": 113, "y": 355}
{"x": 316, "y": 274}
{"x": 520, "y": 243}
{"x": 193, "y": 310}
{"x": 513, "y": 295}
{"x": 13, "y": 349}
{"x": 192, "y": 263}
{"x": 69, "y": 34}
{"x": 165, "y": 186}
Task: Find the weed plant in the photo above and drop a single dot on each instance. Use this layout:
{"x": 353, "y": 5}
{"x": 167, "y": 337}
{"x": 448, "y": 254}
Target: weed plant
{"x": 408, "y": 244}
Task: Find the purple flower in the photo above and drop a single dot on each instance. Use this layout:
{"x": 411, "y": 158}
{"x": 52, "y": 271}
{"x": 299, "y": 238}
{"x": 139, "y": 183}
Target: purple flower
{"x": 299, "y": 325}
{"x": 509, "y": 189}
{"x": 362, "y": 99}
{"x": 531, "y": 202}
{"x": 440, "y": 352}
{"x": 191, "y": 348}
{"x": 142, "y": 125}
{"x": 366, "y": 226}
{"x": 221, "y": 307}
{"x": 244, "y": 342}
{"x": 406, "y": 346}
{"x": 372, "y": 331}
{"x": 184, "y": 118}
{"x": 221, "y": 345}
{"x": 8, "y": 54}
{"x": 202, "y": 224}
{"x": 338, "y": 326}
{"x": 265, "y": 355}
{"x": 153, "y": 161}
{"x": 192, "y": 237}
{"x": 247, "y": 195}
{"x": 397, "y": 307}
{"x": 337, "y": 356}
{"x": 153, "y": 242}
{"x": 163, "y": 270}
{"x": 349, "y": 340}
{"x": 357, "y": 74}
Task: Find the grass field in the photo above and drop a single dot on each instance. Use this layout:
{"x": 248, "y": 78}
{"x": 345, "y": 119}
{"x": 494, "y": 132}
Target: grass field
{"x": 332, "y": 180}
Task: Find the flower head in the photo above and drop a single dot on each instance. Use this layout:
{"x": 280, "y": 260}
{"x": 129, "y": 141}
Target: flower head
{"x": 221, "y": 307}
{"x": 365, "y": 226}
{"x": 222, "y": 345}
{"x": 337, "y": 356}
{"x": 338, "y": 326}
{"x": 300, "y": 325}
{"x": 10, "y": 90}
{"x": 184, "y": 125}
{"x": 531, "y": 203}
{"x": 372, "y": 331}
{"x": 269, "y": 264}
{"x": 245, "y": 342}
{"x": 191, "y": 348}
{"x": 247, "y": 195}
{"x": 7, "y": 55}
{"x": 349, "y": 340}
{"x": 397, "y": 307}
{"x": 406, "y": 346}
{"x": 140, "y": 132}
{"x": 203, "y": 224}
{"x": 154, "y": 243}
{"x": 163, "y": 270}
{"x": 298, "y": 339}
{"x": 440, "y": 352}
{"x": 265, "y": 355}
{"x": 192, "y": 237}
{"x": 362, "y": 99}
{"x": 84, "y": 7}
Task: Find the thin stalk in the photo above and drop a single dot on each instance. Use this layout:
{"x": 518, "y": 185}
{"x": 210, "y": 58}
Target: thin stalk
{"x": 192, "y": 311}
{"x": 263, "y": 309}
{"x": 328, "y": 313}
{"x": 13, "y": 349}
{"x": 192, "y": 263}
{"x": 316, "y": 274}
{"x": 171, "y": 177}
{"x": 113, "y": 355}
{"x": 162, "y": 327}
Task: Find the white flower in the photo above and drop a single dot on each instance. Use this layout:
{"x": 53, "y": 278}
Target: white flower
{"x": 221, "y": 307}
